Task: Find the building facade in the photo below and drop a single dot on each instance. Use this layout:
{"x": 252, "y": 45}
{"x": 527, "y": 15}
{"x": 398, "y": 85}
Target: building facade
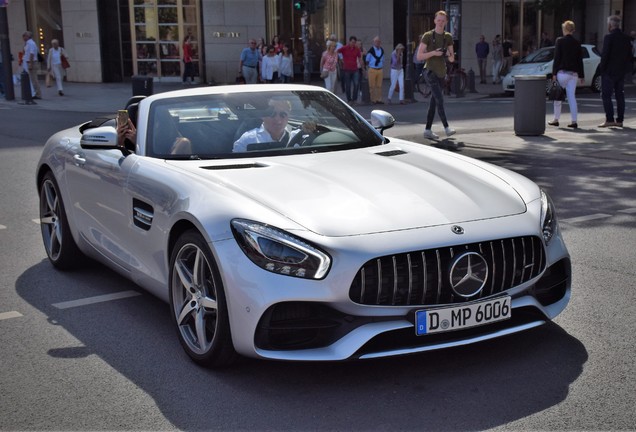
{"x": 112, "y": 40}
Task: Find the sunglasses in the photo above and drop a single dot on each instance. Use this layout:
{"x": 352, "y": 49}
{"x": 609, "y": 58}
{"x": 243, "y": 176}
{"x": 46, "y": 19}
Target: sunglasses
{"x": 281, "y": 114}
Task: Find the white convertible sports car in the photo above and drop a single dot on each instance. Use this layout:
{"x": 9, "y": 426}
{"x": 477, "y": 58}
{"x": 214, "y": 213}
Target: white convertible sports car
{"x": 280, "y": 224}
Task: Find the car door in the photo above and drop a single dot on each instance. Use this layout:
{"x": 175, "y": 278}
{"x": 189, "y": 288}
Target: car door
{"x": 589, "y": 66}
{"x": 96, "y": 182}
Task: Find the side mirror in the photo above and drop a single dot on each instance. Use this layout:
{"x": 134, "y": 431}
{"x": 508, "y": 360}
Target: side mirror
{"x": 382, "y": 120}
{"x": 99, "y": 138}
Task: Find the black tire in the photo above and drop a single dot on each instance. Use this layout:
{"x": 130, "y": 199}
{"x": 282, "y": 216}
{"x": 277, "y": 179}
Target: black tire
{"x": 421, "y": 87}
{"x": 58, "y": 241}
{"x": 596, "y": 83}
{"x": 197, "y": 296}
{"x": 548, "y": 84}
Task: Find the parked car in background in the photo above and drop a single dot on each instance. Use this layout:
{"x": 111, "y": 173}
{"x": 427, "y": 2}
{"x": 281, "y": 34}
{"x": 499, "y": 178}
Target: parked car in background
{"x": 540, "y": 62}
{"x": 333, "y": 242}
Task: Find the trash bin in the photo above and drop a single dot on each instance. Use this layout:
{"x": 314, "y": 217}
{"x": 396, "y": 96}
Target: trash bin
{"x": 529, "y": 104}
{"x": 141, "y": 85}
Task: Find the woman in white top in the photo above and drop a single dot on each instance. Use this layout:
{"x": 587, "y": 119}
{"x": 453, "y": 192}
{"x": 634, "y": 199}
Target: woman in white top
{"x": 54, "y": 64}
{"x": 269, "y": 66}
{"x": 285, "y": 64}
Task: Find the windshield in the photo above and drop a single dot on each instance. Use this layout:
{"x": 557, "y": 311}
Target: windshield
{"x": 236, "y": 125}
{"x": 541, "y": 56}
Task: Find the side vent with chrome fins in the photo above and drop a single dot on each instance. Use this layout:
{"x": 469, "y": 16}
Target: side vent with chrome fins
{"x": 142, "y": 214}
{"x": 233, "y": 166}
{"x": 390, "y": 153}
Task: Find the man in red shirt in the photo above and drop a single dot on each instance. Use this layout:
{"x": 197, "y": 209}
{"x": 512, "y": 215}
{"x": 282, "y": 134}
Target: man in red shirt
{"x": 350, "y": 55}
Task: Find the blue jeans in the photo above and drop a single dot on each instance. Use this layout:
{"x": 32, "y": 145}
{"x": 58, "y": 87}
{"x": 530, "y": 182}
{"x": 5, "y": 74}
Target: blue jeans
{"x": 437, "y": 99}
{"x": 611, "y": 85}
{"x": 352, "y": 84}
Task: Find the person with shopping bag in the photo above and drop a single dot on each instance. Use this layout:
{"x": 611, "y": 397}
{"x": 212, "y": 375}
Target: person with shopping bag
{"x": 567, "y": 71}
{"x": 55, "y": 66}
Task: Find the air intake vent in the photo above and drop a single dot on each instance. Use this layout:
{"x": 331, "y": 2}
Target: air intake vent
{"x": 234, "y": 166}
{"x": 391, "y": 153}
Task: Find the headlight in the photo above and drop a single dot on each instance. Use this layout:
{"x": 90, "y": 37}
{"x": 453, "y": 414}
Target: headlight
{"x": 548, "y": 218}
{"x": 280, "y": 252}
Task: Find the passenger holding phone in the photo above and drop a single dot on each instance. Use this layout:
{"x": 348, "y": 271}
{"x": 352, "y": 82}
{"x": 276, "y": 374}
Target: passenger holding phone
{"x": 168, "y": 139}
{"x": 435, "y": 47}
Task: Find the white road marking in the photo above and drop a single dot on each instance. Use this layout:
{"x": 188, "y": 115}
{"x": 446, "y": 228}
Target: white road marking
{"x": 96, "y": 299}
{"x": 628, "y": 211}
{"x": 37, "y": 221}
{"x": 586, "y": 218}
{"x": 11, "y": 314}
{"x": 2, "y": 227}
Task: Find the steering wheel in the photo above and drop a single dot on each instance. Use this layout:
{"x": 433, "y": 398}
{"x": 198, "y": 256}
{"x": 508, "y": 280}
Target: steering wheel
{"x": 305, "y": 139}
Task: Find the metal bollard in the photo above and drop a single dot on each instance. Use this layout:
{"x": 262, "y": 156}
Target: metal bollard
{"x": 365, "y": 94}
{"x": 459, "y": 92}
{"x": 25, "y": 84}
{"x": 471, "y": 81}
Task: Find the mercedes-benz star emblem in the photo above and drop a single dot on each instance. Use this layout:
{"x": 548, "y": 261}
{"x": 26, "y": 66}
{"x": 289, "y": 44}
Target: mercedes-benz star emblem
{"x": 468, "y": 274}
{"x": 457, "y": 229}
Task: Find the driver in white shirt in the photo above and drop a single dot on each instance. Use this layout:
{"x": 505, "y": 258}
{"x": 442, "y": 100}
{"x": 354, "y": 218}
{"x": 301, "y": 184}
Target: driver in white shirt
{"x": 274, "y": 127}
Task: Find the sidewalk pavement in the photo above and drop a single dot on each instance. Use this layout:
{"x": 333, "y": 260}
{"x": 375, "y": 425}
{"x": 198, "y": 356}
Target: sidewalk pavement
{"x": 488, "y": 133}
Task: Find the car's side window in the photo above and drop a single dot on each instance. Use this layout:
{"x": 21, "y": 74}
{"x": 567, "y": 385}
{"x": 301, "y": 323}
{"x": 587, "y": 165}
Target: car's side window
{"x": 584, "y": 53}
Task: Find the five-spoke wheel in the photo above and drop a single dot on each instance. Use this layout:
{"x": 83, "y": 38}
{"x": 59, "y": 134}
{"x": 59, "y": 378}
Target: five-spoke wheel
{"x": 198, "y": 302}
{"x": 58, "y": 242}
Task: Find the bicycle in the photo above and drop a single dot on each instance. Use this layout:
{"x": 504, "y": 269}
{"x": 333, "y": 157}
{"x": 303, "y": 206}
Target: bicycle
{"x": 453, "y": 70}
{"x": 421, "y": 86}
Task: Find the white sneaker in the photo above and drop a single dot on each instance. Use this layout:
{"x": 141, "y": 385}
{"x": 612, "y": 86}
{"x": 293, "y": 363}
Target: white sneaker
{"x": 449, "y": 131}
{"x": 430, "y": 134}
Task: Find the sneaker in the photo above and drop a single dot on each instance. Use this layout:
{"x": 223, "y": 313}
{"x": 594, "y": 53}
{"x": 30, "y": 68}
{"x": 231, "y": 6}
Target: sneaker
{"x": 553, "y": 123}
{"x": 607, "y": 124}
{"x": 573, "y": 125}
{"x": 618, "y": 124}
{"x": 430, "y": 134}
{"x": 449, "y": 131}
{"x": 61, "y": 93}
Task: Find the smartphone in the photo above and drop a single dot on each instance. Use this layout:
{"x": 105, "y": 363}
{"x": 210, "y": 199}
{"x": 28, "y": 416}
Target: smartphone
{"x": 122, "y": 117}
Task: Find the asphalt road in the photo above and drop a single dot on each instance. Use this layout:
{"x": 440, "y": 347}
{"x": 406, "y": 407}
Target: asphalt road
{"x": 117, "y": 365}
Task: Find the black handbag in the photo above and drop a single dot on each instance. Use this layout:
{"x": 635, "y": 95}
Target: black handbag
{"x": 556, "y": 92}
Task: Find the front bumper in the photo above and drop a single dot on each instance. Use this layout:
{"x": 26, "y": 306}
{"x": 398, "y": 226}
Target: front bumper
{"x": 287, "y": 318}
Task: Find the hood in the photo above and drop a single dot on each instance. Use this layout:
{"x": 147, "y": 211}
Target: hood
{"x": 369, "y": 190}
{"x": 531, "y": 68}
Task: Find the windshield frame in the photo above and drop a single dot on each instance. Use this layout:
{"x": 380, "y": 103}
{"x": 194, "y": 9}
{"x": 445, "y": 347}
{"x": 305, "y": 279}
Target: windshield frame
{"x": 223, "y": 113}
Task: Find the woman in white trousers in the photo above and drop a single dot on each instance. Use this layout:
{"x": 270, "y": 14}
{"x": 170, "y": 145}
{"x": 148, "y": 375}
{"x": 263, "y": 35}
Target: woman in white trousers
{"x": 397, "y": 72}
{"x": 567, "y": 69}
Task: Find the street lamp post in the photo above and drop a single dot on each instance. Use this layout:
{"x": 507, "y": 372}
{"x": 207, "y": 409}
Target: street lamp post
{"x": 408, "y": 79}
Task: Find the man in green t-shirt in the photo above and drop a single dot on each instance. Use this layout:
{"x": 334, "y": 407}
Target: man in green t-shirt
{"x": 435, "y": 47}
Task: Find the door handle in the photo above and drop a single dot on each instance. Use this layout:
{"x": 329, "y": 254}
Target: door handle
{"x": 79, "y": 160}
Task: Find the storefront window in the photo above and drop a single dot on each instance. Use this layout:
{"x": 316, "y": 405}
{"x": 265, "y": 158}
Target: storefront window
{"x": 160, "y": 27}
{"x": 284, "y": 22}
{"x": 522, "y": 26}
{"x": 44, "y": 19}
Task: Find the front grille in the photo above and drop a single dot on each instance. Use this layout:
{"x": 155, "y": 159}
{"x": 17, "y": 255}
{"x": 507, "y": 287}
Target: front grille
{"x": 422, "y": 277}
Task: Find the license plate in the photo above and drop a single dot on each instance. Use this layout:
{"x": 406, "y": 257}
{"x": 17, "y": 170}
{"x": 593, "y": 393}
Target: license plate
{"x": 462, "y": 317}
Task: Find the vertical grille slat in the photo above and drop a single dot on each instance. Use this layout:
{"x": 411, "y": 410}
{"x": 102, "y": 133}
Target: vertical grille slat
{"x": 422, "y": 277}
{"x": 379, "y": 278}
{"x": 439, "y": 276}
{"x": 410, "y": 269}
{"x": 395, "y": 280}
